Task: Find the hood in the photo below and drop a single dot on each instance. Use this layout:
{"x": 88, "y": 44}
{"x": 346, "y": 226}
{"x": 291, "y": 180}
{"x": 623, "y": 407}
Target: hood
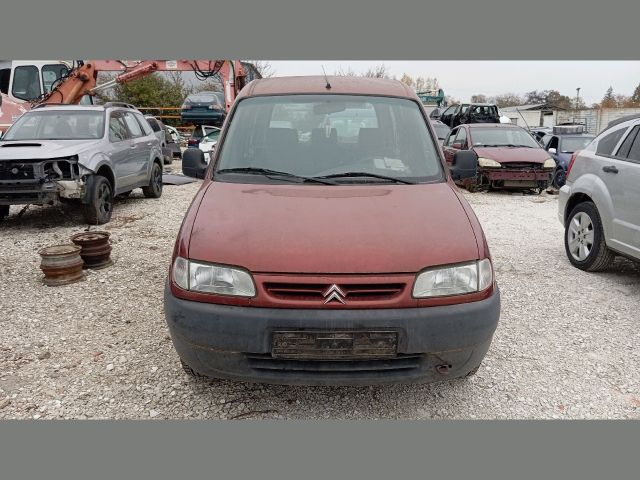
{"x": 331, "y": 229}
{"x": 513, "y": 154}
{"x": 43, "y": 149}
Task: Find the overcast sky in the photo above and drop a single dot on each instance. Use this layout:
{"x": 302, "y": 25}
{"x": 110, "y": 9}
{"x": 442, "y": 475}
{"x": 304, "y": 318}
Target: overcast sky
{"x": 461, "y": 79}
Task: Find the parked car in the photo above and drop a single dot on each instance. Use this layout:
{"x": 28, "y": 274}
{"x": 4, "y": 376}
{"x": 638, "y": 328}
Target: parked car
{"x": 175, "y": 134}
{"x": 208, "y": 143}
{"x": 159, "y": 131}
{"x": 442, "y": 131}
{"x": 173, "y": 149}
{"x": 204, "y": 107}
{"x": 470, "y": 113}
{"x": 312, "y": 257}
{"x": 598, "y": 205}
{"x": 561, "y": 143}
{"x": 539, "y": 132}
{"x": 199, "y": 132}
{"x": 85, "y": 153}
{"x": 508, "y": 156}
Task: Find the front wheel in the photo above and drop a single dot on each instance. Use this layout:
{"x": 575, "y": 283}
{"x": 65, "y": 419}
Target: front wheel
{"x": 584, "y": 239}
{"x": 559, "y": 178}
{"x": 100, "y": 206}
{"x": 154, "y": 189}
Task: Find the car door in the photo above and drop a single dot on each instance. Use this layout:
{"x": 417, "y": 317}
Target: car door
{"x": 621, "y": 174}
{"x": 454, "y": 142}
{"x": 140, "y": 148}
{"x": 120, "y": 152}
{"x": 553, "y": 148}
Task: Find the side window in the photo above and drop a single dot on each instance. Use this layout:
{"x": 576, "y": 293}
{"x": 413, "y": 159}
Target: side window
{"x": 51, "y": 73}
{"x": 117, "y": 128}
{"x": 154, "y": 124}
{"x": 452, "y": 135}
{"x": 26, "y": 83}
{"x": 146, "y": 128}
{"x": 132, "y": 125}
{"x": 623, "y": 151}
{"x": 553, "y": 143}
{"x": 634, "y": 152}
{"x": 607, "y": 143}
{"x": 461, "y": 137}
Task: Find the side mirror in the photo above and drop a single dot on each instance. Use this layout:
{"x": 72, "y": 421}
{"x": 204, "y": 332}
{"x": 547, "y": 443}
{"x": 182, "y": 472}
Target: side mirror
{"x": 553, "y": 151}
{"x": 193, "y": 164}
{"x": 465, "y": 165}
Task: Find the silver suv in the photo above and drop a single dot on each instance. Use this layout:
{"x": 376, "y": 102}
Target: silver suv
{"x": 86, "y": 153}
{"x": 600, "y": 203}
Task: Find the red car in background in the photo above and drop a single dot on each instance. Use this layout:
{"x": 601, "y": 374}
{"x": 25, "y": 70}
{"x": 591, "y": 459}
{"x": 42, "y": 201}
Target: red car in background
{"x": 508, "y": 156}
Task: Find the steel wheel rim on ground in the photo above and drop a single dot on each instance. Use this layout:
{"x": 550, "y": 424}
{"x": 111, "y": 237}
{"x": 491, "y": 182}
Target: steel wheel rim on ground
{"x": 580, "y": 236}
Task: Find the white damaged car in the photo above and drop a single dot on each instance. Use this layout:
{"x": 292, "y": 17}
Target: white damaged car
{"x": 86, "y": 153}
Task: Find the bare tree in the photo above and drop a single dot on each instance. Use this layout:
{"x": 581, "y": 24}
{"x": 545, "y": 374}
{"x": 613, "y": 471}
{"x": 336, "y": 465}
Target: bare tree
{"x": 263, "y": 67}
{"x": 379, "y": 71}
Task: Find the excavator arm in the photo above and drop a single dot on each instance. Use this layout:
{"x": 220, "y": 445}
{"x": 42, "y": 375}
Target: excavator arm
{"x": 82, "y": 80}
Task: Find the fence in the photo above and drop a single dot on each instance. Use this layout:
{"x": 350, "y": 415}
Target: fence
{"x": 595, "y": 120}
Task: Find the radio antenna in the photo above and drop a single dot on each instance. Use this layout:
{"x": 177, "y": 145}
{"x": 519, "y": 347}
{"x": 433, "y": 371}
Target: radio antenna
{"x": 328, "y": 85}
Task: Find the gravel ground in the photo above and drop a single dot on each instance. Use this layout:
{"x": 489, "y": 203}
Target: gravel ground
{"x": 566, "y": 346}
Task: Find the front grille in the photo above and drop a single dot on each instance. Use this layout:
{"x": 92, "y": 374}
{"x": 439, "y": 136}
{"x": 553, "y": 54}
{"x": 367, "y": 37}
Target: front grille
{"x": 353, "y": 292}
{"x": 265, "y": 362}
{"x": 13, "y": 170}
{"x": 522, "y": 166}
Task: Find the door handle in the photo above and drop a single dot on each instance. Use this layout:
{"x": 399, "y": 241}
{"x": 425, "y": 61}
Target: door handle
{"x": 610, "y": 169}
{"x": 149, "y": 144}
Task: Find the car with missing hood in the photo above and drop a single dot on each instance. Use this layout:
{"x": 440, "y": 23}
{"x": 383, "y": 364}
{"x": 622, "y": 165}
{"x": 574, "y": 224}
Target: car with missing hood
{"x": 84, "y": 153}
{"x": 508, "y": 156}
{"x": 561, "y": 143}
{"x": 333, "y": 247}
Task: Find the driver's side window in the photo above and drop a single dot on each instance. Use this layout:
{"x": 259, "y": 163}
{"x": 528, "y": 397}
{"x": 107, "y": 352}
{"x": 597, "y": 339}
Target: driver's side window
{"x": 461, "y": 138}
{"x": 452, "y": 135}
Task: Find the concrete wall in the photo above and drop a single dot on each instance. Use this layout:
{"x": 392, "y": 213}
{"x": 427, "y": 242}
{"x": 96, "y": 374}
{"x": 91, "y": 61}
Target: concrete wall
{"x": 596, "y": 120}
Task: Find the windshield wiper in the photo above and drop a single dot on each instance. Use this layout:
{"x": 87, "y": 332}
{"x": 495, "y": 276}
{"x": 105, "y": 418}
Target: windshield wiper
{"x": 366, "y": 174}
{"x": 274, "y": 173}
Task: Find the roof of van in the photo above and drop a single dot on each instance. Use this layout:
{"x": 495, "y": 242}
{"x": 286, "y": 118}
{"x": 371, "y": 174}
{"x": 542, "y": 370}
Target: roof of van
{"x": 318, "y": 85}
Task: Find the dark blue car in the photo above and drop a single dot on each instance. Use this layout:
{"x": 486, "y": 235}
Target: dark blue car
{"x": 561, "y": 143}
{"x": 204, "y": 108}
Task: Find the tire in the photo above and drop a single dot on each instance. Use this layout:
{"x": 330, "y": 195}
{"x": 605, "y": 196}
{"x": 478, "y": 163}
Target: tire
{"x": 191, "y": 372}
{"x": 100, "y": 207}
{"x": 559, "y": 178}
{"x": 584, "y": 240}
{"x": 4, "y": 211}
{"x": 154, "y": 189}
{"x": 472, "y": 372}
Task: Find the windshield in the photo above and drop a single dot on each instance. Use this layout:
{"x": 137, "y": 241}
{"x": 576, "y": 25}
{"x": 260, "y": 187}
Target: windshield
{"x": 571, "y": 144}
{"x": 498, "y": 137}
{"x": 57, "y": 125}
{"x": 329, "y": 135}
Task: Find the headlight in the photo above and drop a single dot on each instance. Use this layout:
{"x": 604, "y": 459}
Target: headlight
{"x": 208, "y": 278}
{"x": 549, "y": 163}
{"x": 487, "y": 162}
{"x": 454, "y": 280}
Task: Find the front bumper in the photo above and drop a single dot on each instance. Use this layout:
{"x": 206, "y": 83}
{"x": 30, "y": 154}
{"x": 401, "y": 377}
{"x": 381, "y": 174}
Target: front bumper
{"x": 563, "y": 198}
{"x": 235, "y": 342}
{"x": 515, "y": 175}
{"x": 29, "y": 193}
